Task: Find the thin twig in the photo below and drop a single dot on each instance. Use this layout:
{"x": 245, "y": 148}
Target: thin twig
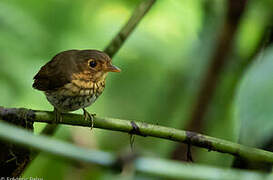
{"x": 124, "y": 33}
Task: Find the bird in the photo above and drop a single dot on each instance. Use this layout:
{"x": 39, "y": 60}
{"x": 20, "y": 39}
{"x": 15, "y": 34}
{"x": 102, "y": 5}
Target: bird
{"x": 74, "y": 79}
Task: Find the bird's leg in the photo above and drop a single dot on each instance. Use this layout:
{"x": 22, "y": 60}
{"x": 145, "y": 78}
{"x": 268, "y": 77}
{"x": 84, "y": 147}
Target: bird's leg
{"x": 87, "y": 116}
{"x": 58, "y": 116}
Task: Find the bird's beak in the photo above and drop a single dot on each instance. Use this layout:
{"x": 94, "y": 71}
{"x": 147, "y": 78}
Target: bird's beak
{"x": 112, "y": 68}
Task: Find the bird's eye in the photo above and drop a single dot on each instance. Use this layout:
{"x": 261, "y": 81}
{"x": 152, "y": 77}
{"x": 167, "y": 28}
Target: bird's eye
{"x": 92, "y": 63}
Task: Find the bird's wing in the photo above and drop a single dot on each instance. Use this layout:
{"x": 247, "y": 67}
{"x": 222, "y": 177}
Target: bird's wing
{"x": 51, "y": 76}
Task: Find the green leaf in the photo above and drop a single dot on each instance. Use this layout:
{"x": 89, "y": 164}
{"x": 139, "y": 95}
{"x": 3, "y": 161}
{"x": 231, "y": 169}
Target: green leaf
{"x": 254, "y": 101}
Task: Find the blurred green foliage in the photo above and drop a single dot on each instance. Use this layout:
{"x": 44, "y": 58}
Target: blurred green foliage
{"x": 255, "y": 94}
{"x": 162, "y": 64}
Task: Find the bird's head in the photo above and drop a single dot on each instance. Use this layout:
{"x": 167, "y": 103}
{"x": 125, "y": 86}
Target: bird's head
{"x": 83, "y": 67}
{"x": 94, "y": 64}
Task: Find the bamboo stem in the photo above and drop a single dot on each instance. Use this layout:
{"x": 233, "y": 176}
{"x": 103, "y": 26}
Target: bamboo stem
{"x": 145, "y": 129}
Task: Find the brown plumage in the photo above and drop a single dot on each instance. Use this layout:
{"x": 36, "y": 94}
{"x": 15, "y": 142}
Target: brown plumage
{"x": 74, "y": 79}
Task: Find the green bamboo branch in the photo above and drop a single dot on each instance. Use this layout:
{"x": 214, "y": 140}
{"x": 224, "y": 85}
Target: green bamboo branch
{"x": 150, "y": 166}
{"x": 145, "y": 129}
{"x": 128, "y": 28}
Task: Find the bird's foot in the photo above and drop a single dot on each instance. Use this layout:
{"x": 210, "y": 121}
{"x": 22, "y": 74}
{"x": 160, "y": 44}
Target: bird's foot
{"x": 58, "y": 116}
{"x": 87, "y": 115}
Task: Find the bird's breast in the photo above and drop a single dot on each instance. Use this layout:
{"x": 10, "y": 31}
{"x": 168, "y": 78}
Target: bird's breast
{"x": 82, "y": 88}
{"x": 75, "y": 95}
{"x": 70, "y": 103}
